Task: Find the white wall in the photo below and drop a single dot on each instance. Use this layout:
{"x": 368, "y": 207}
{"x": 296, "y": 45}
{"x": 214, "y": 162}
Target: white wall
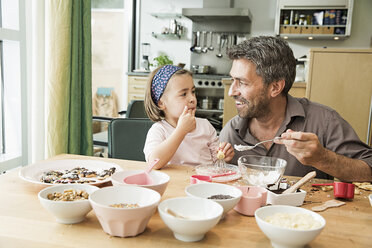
{"x": 177, "y": 50}
{"x": 263, "y": 20}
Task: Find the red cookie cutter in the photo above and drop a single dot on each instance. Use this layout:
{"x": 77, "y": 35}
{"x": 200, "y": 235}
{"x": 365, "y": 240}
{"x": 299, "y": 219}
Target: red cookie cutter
{"x": 340, "y": 189}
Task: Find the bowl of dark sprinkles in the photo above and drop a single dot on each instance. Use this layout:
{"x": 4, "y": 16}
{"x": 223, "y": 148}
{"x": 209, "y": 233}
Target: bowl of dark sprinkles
{"x": 227, "y": 196}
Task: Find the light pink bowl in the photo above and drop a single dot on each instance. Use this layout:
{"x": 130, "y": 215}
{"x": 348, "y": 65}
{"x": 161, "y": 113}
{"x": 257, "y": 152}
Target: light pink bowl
{"x": 124, "y": 222}
{"x": 253, "y": 198}
{"x": 161, "y": 180}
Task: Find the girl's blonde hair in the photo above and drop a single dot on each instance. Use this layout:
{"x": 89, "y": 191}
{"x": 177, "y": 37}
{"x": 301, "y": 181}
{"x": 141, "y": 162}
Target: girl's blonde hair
{"x": 152, "y": 110}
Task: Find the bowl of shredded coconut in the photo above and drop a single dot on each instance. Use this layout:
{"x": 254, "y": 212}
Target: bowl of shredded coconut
{"x": 261, "y": 170}
{"x": 288, "y": 226}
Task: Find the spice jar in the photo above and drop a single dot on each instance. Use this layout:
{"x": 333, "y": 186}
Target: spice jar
{"x": 302, "y": 20}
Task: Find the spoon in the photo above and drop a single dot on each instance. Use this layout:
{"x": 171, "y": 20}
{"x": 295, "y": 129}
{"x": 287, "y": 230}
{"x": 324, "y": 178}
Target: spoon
{"x": 211, "y": 48}
{"x": 192, "y": 48}
{"x": 205, "y": 47}
{"x": 328, "y": 204}
{"x": 174, "y": 214}
{"x": 222, "y": 43}
{"x": 301, "y": 182}
{"x": 197, "y": 48}
{"x": 241, "y": 148}
{"x": 142, "y": 178}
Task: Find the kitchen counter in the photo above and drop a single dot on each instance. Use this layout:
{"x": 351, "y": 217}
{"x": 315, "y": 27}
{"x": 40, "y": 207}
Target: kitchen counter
{"x": 25, "y": 223}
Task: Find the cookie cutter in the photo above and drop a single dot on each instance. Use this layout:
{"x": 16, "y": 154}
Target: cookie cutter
{"x": 340, "y": 189}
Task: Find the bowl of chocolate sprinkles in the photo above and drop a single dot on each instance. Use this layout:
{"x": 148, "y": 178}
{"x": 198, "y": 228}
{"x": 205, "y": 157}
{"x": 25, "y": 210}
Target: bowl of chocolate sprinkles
{"x": 227, "y": 196}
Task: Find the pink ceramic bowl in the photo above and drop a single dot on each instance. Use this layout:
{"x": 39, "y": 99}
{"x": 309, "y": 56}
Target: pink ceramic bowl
{"x": 253, "y": 197}
{"x": 124, "y": 222}
{"x": 160, "y": 179}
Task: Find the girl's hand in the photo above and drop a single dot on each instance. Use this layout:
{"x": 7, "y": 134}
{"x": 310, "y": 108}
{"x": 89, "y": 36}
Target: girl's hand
{"x": 228, "y": 150}
{"x": 186, "y": 121}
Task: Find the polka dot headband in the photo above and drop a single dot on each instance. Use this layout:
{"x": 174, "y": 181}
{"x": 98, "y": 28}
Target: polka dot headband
{"x": 160, "y": 80}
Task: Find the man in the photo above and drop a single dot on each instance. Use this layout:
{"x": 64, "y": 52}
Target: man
{"x": 313, "y": 136}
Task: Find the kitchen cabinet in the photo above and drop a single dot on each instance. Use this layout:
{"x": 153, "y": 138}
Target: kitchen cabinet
{"x": 136, "y": 87}
{"x": 342, "y": 80}
{"x": 317, "y": 19}
{"x": 298, "y": 90}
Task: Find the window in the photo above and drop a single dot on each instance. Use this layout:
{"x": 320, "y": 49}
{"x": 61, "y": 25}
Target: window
{"x": 13, "y": 90}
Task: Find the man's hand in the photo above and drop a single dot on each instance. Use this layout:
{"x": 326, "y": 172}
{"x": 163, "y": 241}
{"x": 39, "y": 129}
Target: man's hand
{"x": 187, "y": 122}
{"x": 304, "y": 146}
{"x": 228, "y": 150}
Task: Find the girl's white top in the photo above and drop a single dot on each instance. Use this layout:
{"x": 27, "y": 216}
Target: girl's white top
{"x": 198, "y": 147}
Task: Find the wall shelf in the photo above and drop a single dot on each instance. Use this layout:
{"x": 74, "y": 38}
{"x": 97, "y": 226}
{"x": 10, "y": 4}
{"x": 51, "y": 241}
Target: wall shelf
{"x": 314, "y": 20}
{"x": 166, "y": 36}
{"x": 167, "y": 15}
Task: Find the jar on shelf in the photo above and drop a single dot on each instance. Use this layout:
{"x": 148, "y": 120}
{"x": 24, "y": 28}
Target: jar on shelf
{"x": 302, "y": 20}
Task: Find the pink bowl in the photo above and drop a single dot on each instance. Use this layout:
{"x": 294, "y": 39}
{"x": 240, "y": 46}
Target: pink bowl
{"x": 253, "y": 198}
{"x": 124, "y": 222}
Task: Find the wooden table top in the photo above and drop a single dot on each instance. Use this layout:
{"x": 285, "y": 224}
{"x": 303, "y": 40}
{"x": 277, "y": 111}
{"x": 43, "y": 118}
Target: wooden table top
{"x": 25, "y": 223}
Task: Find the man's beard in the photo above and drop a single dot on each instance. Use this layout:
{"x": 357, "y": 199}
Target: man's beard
{"x": 256, "y": 108}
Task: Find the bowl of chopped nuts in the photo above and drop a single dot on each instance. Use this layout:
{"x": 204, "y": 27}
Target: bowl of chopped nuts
{"x": 124, "y": 211}
{"x": 69, "y": 204}
{"x": 227, "y": 196}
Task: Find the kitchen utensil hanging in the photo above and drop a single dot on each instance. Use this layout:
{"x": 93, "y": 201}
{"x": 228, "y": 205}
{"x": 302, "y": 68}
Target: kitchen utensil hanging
{"x": 205, "y": 46}
{"x": 197, "y": 48}
{"x": 211, "y": 48}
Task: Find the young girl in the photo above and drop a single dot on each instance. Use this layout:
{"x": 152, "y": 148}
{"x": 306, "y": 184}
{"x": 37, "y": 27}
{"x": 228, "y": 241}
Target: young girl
{"x": 178, "y": 137}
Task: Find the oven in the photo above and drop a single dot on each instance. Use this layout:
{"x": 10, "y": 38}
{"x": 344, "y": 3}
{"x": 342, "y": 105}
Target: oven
{"x": 210, "y": 97}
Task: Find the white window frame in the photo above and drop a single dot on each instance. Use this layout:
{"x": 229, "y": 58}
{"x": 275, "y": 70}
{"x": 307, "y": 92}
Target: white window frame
{"x": 8, "y": 161}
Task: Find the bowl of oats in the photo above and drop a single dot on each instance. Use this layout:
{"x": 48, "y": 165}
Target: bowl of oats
{"x": 124, "y": 211}
{"x": 288, "y": 226}
{"x": 69, "y": 204}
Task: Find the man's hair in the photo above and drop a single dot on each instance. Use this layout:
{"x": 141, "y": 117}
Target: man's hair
{"x": 272, "y": 56}
{"x": 152, "y": 109}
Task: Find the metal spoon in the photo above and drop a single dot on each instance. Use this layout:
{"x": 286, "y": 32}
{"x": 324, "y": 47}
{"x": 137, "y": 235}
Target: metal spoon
{"x": 241, "y": 148}
{"x": 197, "y": 48}
{"x": 205, "y": 47}
{"x": 222, "y": 43}
{"x": 211, "y": 48}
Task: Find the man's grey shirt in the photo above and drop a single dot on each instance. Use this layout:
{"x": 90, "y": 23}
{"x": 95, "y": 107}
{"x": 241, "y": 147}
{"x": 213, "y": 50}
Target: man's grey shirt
{"x": 333, "y": 131}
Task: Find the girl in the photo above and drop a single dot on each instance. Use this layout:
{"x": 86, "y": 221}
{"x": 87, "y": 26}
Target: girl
{"x": 178, "y": 137}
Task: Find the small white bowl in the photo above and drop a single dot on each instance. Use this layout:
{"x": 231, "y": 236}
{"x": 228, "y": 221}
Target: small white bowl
{"x": 160, "y": 179}
{"x": 285, "y": 237}
{"x": 205, "y": 190}
{"x": 202, "y": 215}
{"x": 292, "y": 199}
{"x": 124, "y": 222}
{"x": 370, "y": 199}
{"x": 67, "y": 212}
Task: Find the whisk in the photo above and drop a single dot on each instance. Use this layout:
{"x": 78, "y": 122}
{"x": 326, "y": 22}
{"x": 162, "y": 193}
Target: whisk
{"x": 220, "y": 163}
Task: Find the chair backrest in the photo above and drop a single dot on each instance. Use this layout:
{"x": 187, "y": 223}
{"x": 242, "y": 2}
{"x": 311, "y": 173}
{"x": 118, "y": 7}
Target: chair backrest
{"x": 136, "y": 109}
{"x": 126, "y": 138}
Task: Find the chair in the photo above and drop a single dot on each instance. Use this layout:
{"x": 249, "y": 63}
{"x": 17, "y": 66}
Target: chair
{"x": 136, "y": 109}
{"x": 126, "y": 138}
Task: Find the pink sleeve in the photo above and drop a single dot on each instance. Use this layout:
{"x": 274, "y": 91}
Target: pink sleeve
{"x": 154, "y": 137}
{"x": 214, "y": 142}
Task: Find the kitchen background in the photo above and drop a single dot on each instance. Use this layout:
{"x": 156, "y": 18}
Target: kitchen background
{"x": 111, "y": 28}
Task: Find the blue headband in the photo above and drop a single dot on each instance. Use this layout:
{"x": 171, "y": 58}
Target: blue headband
{"x": 160, "y": 80}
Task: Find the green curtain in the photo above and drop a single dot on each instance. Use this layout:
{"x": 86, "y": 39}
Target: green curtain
{"x": 69, "y": 116}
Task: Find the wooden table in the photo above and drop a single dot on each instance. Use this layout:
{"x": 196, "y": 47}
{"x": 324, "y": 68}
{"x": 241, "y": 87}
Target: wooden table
{"x": 25, "y": 223}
